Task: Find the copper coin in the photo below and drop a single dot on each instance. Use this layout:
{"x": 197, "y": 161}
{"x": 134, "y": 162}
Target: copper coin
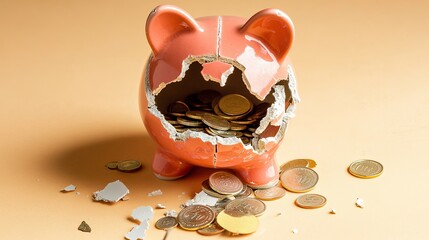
{"x": 195, "y": 217}
{"x": 129, "y": 165}
{"x": 310, "y": 201}
{"x": 212, "y": 229}
{"x": 166, "y": 223}
{"x": 225, "y": 183}
{"x": 195, "y": 114}
{"x": 246, "y": 192}
{"x": 189, "y": 122}
{"x": 245, "y": 206}
{"x": 215, "y": 122}
{"x": 272, "y": 193}
{"x": 207, "y": 189}
{"x": 299, "y": 179}
{"x": 294, "y": 163}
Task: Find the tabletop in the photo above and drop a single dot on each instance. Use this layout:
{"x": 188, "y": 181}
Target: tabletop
{"x": 70, "y": 73}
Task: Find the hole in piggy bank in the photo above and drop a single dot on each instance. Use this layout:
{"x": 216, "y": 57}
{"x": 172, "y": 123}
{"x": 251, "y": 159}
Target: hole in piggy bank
{"x": 236, "y": 114}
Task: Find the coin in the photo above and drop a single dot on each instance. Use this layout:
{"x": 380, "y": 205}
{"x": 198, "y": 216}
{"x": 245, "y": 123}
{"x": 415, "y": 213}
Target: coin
{"x": 310, "y": 201}
{"x": 272, "y": 193}
{"x": 245, "y": 140}
{"x": 238, "y": 225}
{"x": 212, "y": 229}
{"x": 294, "y": 163}
{"x": 112, "y": 165}
{"x": 237, "y": 127}
{"x": 245, "y": 206}
{"x": 244, "y": 121}
{"x": 178, "y": 108}
{"x": 205, "y": 185}
{"x": 299, "y": 179}
{"x": 226, "y": 116}
{"x": 225, "y": 183}
{"x": 195, "y": 217}
{"x": 365, "y": 168}
{"x": 235, "y": 104}
{"x": 195, "y": 114}
{"x": 216, "y": 122}
{"x": 166, "y": 223}
{"x": 189, "y": 123}
{"x": 129, "y": 165}
{"x": 246, "y": 192}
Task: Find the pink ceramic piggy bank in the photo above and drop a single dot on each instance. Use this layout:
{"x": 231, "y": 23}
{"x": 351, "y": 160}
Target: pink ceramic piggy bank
{"x": 227, "y": 55}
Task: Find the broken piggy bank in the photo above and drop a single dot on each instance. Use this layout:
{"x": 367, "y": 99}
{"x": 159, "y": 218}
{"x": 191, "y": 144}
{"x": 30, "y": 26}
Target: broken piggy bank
{"x": 228, "y": 56}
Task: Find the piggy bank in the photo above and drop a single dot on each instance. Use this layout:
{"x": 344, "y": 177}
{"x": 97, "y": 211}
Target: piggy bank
{"x": 218, "y": 92}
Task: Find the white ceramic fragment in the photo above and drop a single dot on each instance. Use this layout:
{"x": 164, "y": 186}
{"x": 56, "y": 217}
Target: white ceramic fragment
{"x": 113, "y": 192}
{"x": 157, "y": 192}
{"x": 69, "y": 188}
{"x": 359, "y": 202}
{"x": 333, "y": 211}
{"x": 203, "y": 198}
{"x": 142, "y": 214}
{"x": 138, "y": 232}
{"x": 295, "y": 231}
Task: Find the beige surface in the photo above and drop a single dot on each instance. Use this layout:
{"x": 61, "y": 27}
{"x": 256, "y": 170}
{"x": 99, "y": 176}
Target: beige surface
{"x": 70, "y": 71}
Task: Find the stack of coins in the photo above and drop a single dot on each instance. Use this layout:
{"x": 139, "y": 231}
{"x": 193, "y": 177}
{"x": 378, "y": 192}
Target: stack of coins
{"x": 231, "y": 115}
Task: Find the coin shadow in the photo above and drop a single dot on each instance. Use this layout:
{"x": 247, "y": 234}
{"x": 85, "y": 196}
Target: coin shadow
{"x": 84, "y": 164}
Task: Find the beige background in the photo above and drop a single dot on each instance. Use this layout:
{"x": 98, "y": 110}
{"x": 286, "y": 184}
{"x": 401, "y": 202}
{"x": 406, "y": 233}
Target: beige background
{"x": 70, "y": 73}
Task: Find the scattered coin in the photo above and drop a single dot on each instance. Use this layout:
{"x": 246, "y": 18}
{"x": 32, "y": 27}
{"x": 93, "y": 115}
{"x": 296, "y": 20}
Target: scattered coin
{"x": 84, "y": 227}
{"x": 225, "y": 183}
{"x": 129, "y": 165}
{"x": 245, "y": 206}
{"x": 272, "y": 193}
{"x": 310, "y": 201}
{"x": 246, "y": 192}
{"x": 112, "y": 165}
{"x": 235, "y": 104}
{"x": 299, "y": 179}
{"x": 212, "y": 229}
{"x": 166, "y": 223}
{"x": 207, "y": 189}
{"x": 195, "y": 217}
{"x": 365, "y": 168}
{"x": 238, "y": 225}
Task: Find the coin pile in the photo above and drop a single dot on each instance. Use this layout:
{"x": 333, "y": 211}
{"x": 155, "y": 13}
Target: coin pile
{"x": 231, "y": 115}
{"x": 236, "y": 211}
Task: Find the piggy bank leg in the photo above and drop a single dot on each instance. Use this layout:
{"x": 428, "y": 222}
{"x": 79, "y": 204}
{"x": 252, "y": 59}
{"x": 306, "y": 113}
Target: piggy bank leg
{"x": 263, "y": 175}
{"x": 167, "y": 167}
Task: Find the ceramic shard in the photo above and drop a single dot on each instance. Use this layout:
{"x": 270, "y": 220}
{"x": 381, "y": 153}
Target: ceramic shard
{"x": 113, "y": 192}
{"x": 142, "y": 214}
{"x": 69, "y": 188}
{"x": 138, "y": 232}
{"x": 157, "y": 192}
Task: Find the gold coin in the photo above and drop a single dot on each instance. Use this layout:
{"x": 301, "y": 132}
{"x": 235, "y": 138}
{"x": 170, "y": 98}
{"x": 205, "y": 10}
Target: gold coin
{"x": 225, "y": 183}
{"x": 237, "y": 127}
{"x": 245, "y": 206}
{"x": 365, "y": 168}
{"x": 129, "y": 165}
{"x": 272, "y": 193}
{"x": 178, "y": 109}
{"x": 294, "y": 163}
{"x": 311, "y": 163}
{"x": 238, "y": 225}
{"x": 244, "y": 121}
{"x": 225, "y": 116}
{"x": 215, "y": 122}
{"x": 195, "y": 217}
{"x": 166, "y": 223}
{"x": 212, "y": 229}
{"x": 310, "y": 201}
{"x": 246, "y": 192}
{"x": 112, "y": 165}
{"x": 299, "y": 179}
{"x": 235, "y": 104}
{"x": 195, "y": 114}
{"x": 188, "y": 122}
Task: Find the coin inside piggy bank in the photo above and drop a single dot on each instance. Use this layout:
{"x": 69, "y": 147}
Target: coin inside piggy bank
{"x": 218, "y": 92}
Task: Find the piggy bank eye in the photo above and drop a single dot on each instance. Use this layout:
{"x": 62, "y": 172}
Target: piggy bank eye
{"x": 166, "y": 21}
{"x": 273, "y": 28}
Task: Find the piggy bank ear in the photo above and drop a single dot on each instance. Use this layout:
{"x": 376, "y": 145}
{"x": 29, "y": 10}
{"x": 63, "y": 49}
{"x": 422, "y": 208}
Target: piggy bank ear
{"x": 166, "y": 21}
{"x": 273, "y": 28}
